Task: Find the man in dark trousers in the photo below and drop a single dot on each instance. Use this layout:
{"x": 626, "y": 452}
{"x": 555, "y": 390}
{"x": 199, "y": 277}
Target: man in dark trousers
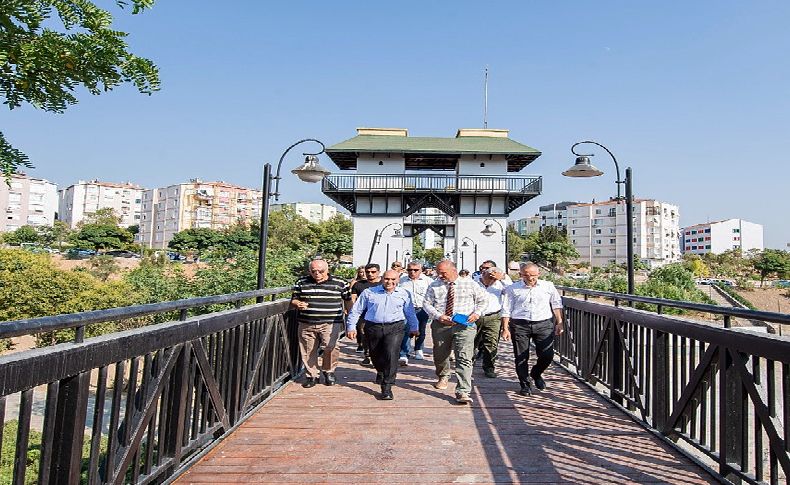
{"x": 531, "y": 310}
{"x": 319, "y": 298}
{"x": 373, "y": 278}
{"x": 388, "y": 311}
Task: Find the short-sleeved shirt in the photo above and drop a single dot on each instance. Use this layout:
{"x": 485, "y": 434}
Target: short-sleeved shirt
{"x": 533, "y": 303}
{"x": 324, "y": 300}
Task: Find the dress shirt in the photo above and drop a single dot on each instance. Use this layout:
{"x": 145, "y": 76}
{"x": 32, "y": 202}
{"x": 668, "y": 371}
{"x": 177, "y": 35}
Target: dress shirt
{"x": 494, "y": 292}
{"x": 533, "y": 303}
{"x": 416, "y": 288}
{"x": 379, "y": 306}
{"x": 470, "y": 298}
{"x": 506, "y": 281}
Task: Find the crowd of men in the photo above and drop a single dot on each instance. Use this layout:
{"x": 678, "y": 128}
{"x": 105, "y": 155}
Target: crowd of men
{"x": 467, "y": 315}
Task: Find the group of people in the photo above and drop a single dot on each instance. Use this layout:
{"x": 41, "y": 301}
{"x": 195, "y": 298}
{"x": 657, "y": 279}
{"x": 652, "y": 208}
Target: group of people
{"x": 468, "y": 316}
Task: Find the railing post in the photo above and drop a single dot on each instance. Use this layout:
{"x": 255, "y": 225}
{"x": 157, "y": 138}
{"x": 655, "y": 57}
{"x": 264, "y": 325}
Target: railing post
{"x": 176, "y": 414}
{"x": 731, "y": 407}
{"x": 615, "y": 363}
{"x": 69, "y": 429}
{"x": 661, "y": 384}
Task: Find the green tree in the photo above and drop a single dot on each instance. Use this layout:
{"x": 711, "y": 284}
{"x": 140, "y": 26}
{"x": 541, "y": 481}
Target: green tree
{"x": 195, "y": 240}
{"x": 101, "y": 236}
{"x": 42, "y": 66}
{"x": 102, "y": 267}
{"x": 516, "y": 245}
{"x": 550, "y": 246}
{"x": 106, "y": 216}
{"x": 56, "y": 234}
{"x": 417, "y": 249}
{"x": 287, "y": 229}
{"x": 336, "y": 237}
{"x": 434, "y": 255}
{"x": 24, "y": 234}
{"x": 772, "y": 261}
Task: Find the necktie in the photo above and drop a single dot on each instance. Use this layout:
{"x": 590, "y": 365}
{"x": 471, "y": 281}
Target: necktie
{"x": 448, "y": 308}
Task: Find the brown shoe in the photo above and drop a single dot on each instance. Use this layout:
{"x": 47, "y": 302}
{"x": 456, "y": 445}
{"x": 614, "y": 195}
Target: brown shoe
{"x": 463, "y": 398}
{"x": 442, "y": 383}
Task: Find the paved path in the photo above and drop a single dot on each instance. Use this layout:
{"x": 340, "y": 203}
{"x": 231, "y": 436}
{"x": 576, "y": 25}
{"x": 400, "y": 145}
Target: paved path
{"x": 342, "y": 434}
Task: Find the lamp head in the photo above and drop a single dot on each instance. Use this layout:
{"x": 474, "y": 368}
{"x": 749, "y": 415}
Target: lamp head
{"x": 583, "y": 168}
{"x": 465, "y": 244}
{"x": 397, "y": 233}
{"x": 311, "y": 171}
{"x": 488, "y": 232}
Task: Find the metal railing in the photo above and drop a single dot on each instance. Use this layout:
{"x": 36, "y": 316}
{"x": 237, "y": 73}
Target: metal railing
{"x": 432, "y": 183}
{"x": 721, "y": 395}
{"x": 136, "y": 406}
{"x": 429, "y": 219}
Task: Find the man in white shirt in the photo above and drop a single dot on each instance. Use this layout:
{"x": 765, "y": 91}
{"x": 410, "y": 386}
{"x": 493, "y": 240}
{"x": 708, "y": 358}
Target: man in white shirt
{"x": 488, "y": 326}
{"x": 527, "y": 309}
{"x": 488, "y": 264}
{"x": 416, "y": 283}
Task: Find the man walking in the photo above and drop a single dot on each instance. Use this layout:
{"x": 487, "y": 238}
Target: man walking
{"x": 373, "y": 278}
{"x": 488, "y": 327}
{"x": 389, "y": 312}
{"x": 527, "y": 308}
{"x": 319, "y": 298}
{"x": 455, "y": 304}
{"x": 416, "y": 283}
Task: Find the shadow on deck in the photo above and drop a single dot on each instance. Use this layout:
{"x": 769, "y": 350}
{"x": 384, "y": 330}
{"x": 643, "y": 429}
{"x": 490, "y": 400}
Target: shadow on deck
{"x": 342, "y": 434}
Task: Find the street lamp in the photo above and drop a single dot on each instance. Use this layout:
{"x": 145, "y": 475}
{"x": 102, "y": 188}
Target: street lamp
{"x": 583, "y": 168}
{"x": 465, "y": 244}
{"x": 488, "y": 232}
{"x": 406, "y": 257}
{"x": 377, "y": 238}
{"x": 311, "y": 171}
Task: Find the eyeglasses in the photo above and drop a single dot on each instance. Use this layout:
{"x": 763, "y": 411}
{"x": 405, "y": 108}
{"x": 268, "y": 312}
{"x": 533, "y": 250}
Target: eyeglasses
{"x": 414, "y": 269}
{"x": 371, "y": 271}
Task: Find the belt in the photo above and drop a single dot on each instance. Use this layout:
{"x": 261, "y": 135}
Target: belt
{"x": 492, "y": 313}
{"x": 529, "y": 322}
{"x": 368, "y": 322}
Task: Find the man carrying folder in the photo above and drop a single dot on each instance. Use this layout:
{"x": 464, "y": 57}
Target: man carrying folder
{"x": 454, "y": 304}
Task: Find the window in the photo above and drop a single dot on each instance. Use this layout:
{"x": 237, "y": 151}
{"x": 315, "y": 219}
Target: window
{"x": 612, "y": 212}
{"x": 597, "y": 241}
{"x": 707, "y": 247}
{"x": 575, "y": 211}
{"x": 612, "y": 241}
{"x": 707, "y": 231}
{"x": 612, "y": 230}
{"x": 597, "y": 231}
{"x": 597, "y": 212}
{"x": 694, "y": 231}
{"x": 597, "y": 251}
{"x": 573, "y": 241}
{"x": 573, "y": 232}
{"x": 573, "y": 221}
{"x": 736, "y": 231}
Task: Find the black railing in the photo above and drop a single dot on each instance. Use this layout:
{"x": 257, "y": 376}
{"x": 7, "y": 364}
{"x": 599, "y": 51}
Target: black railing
{"x": 722, "y": 395}
{"x": 432, "y": 183}
{"x": 136, "y": 406}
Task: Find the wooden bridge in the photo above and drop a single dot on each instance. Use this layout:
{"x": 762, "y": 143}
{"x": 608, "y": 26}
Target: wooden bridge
{"x": 208, "y": 396}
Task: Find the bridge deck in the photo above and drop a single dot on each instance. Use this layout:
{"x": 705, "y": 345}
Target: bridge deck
{"x": 342, "y": 434}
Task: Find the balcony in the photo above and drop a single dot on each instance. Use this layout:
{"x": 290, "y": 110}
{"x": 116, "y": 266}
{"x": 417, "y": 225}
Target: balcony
{"x": 415, "y": 190}
{"x": 428, "y": 219}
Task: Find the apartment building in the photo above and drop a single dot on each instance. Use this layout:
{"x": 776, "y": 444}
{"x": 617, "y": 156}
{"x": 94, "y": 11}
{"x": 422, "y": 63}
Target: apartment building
{"x": 548, "y": 215}
{"x": 313, "y": 212}
{"x": 526, "y": 225}
{"x": 84, "y": 198}
{"x": 720, "y": 236}
{"x": 27, "y": 201}
{"x": 214, "y": 205}
{"x": 598, "y": 231}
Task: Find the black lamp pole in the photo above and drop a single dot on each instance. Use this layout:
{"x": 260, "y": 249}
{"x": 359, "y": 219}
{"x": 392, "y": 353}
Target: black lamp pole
{"x": 310, "y": 171}
{"x": 377, "y": 239}
{"x": 583, "y": 168}
{"x": 465, "y": 243}
{"x": 488, "y": 232}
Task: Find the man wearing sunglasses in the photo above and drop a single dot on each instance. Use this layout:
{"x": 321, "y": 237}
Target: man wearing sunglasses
{"x": 373, "y": 278}
{"x": 416, "y": 283}
{"x": 486, "y": 265}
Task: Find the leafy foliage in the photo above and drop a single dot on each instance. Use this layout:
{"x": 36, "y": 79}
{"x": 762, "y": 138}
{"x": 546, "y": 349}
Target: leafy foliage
{"x": 434, "y": 255}
{"x": 336, "y": 237}
{"x": 101, "y": 236}
{"x": 549, "y": 246}
{"x": 772, "y": 261}
{"x": 24, "y": 234}
{"x": 102, "y": 267}
{"x": 43, "y": 67}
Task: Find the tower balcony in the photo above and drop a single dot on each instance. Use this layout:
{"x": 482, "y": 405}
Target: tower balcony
{"x": 426, "y": 190}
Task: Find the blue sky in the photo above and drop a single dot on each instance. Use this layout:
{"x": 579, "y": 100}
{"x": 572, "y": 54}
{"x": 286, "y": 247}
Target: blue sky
{"x": 694, "y": 96}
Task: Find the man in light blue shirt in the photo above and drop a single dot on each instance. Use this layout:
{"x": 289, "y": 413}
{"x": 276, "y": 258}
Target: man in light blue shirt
{"x": 388, "y": 310}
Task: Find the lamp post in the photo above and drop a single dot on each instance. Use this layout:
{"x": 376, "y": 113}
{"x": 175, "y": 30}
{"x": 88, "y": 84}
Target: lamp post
{"x": 406, "y": 257}
{"x": 377, "y": 238}
{"x": 465, "y": 244}
{"x": 488, "y": 232}
{"x": 311, "y": 171}
{"x": 583, "y": 168}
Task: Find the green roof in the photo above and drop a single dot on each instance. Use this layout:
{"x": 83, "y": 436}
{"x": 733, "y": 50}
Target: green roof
{"x": 432, "y": 152}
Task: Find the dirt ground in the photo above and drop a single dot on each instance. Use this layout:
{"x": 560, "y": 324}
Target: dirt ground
{"x": 770, "y": 300}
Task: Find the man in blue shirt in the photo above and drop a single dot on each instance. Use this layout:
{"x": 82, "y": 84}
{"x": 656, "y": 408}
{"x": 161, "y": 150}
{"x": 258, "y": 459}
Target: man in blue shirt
{"x": 388, "y": 310}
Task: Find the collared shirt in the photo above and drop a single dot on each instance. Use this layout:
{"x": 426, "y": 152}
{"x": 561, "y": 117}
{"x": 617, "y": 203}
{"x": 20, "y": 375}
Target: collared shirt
{"x": 533, "y": 303}
{"x": 469, "y": 298}
{"x": 416, "y": 288}
{"x": 494, "y": 292}
{"x": 324, "y": 300}
{"x": 380, "y": 306}
{"x": 506, "y": 281}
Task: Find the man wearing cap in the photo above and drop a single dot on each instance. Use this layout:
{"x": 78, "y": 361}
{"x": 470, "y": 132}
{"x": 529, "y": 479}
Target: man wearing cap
{"x": 388, "y": 313}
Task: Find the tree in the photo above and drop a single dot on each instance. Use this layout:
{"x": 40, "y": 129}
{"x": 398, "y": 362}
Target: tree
{"x": 336, "y": 237}
{"x": 101, "y": 236}
{"x": 417, "y": 249}
{"x": 102, "y": 267}
{"x": 771, "y": 261}
{"x": 287, "y": 229}
{"x": 434, "y": 255}
{"x": 105, "y": 216}
{"x": 43, "y": 67}
{"x": 550, "y": 246}
{"x": 58, "y": 233}
{"x": 24, "y": 234}
{"x": 195, "y": 240}
{"x": 516, "y": 245}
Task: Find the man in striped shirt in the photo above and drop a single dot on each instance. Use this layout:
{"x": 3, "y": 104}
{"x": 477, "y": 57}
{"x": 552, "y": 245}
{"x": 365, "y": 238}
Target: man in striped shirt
{"x": 320, "y": 300}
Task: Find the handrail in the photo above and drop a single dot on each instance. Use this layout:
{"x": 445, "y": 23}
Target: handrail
{"x": 772, "y": 317}
{"x": 445, "y": 183}
{"x": 17, "y": 328}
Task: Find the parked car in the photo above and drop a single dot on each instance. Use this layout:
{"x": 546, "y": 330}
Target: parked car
{"x": 782, "y": 284}
{"x": 703, "y": 281}
{"x": 121, "y": 253}
{"x": 77, "y": 253}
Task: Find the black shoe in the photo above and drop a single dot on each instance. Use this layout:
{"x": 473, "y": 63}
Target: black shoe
{"x": 360, "y": 349}
{"x": 386, "y": 394}
{"x": 526, "y": 387}
{"x": 310, "y": 382}
{"x": 366, "y": 360}
{"x": 539, "y": 382}
{"x": 490, "y": 373}
{"x": 379, "y": 378}
{"x": 329, "y": 378}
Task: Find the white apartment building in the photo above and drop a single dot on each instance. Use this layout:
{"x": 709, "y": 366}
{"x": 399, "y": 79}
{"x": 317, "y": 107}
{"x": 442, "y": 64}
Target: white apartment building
{"x": 28, "y": 201}
{"x": 83, "y": 199}
{"x": 598, "y": 231}
{"x": 720, "y": 236}
{"x": 214, "y": 205}
{"x": 526, "y": 225}
{"x": 549, "y": 215}
{"x": 313, "y": 212}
